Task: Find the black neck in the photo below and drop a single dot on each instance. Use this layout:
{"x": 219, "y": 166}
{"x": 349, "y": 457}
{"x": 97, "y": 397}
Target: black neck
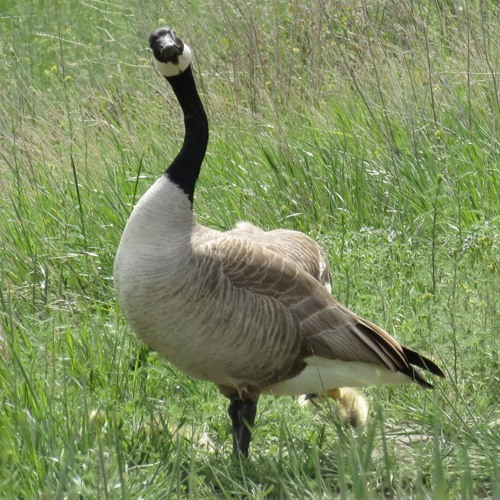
{"x": 185, "y": 168}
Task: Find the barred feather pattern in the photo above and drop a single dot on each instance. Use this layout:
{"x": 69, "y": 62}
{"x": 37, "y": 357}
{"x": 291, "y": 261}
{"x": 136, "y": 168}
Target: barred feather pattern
{"x": 245, "y": 309}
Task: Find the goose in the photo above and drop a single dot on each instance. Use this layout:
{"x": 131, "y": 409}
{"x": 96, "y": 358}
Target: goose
{"x": 246, "y": 309}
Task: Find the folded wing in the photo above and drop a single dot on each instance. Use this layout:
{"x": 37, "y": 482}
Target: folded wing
{"x": 327, "y": 328}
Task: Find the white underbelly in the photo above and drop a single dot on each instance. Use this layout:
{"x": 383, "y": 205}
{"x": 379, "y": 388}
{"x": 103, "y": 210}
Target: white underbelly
{"x": 321, "y": 375}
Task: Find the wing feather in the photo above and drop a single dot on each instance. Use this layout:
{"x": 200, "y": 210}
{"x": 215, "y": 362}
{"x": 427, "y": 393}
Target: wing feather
{"x": 291, "y": 245}
{"x": 327, "y": 328}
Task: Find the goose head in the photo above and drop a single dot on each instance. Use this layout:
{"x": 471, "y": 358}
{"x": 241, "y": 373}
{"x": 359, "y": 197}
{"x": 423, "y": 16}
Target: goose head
{"x": 171, "y": 55}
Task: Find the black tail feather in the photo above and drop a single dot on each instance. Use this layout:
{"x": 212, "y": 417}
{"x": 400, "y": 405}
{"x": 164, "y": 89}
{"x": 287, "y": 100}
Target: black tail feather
{"x": 415, "y": 375}
{"x": 414, "y": 358}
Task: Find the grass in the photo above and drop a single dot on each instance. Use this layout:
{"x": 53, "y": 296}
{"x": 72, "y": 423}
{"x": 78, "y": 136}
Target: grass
{"x": 369, "y": 125}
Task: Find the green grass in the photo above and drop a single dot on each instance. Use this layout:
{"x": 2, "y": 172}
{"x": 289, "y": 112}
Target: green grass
{"x": 372, "y": 126}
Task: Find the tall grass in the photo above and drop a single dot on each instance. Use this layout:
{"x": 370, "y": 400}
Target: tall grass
{"x": 370, "y": 125}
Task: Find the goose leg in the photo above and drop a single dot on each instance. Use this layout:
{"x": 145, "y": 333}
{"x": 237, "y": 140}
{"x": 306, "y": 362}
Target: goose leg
{"x": 247, "y": 418}
{"x": 242, "y": 417}
{"x": 233, "y": 411}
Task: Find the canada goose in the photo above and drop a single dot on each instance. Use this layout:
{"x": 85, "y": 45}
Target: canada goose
{"x": 353, "y": 407}
{"x": 245, "y": 309}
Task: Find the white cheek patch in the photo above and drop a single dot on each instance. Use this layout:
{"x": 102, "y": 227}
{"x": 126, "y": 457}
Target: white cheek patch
{"x": 171, "y": 69}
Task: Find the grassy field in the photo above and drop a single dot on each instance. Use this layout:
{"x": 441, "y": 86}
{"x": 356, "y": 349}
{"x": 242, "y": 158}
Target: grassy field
{"x": 371, "y": 125}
